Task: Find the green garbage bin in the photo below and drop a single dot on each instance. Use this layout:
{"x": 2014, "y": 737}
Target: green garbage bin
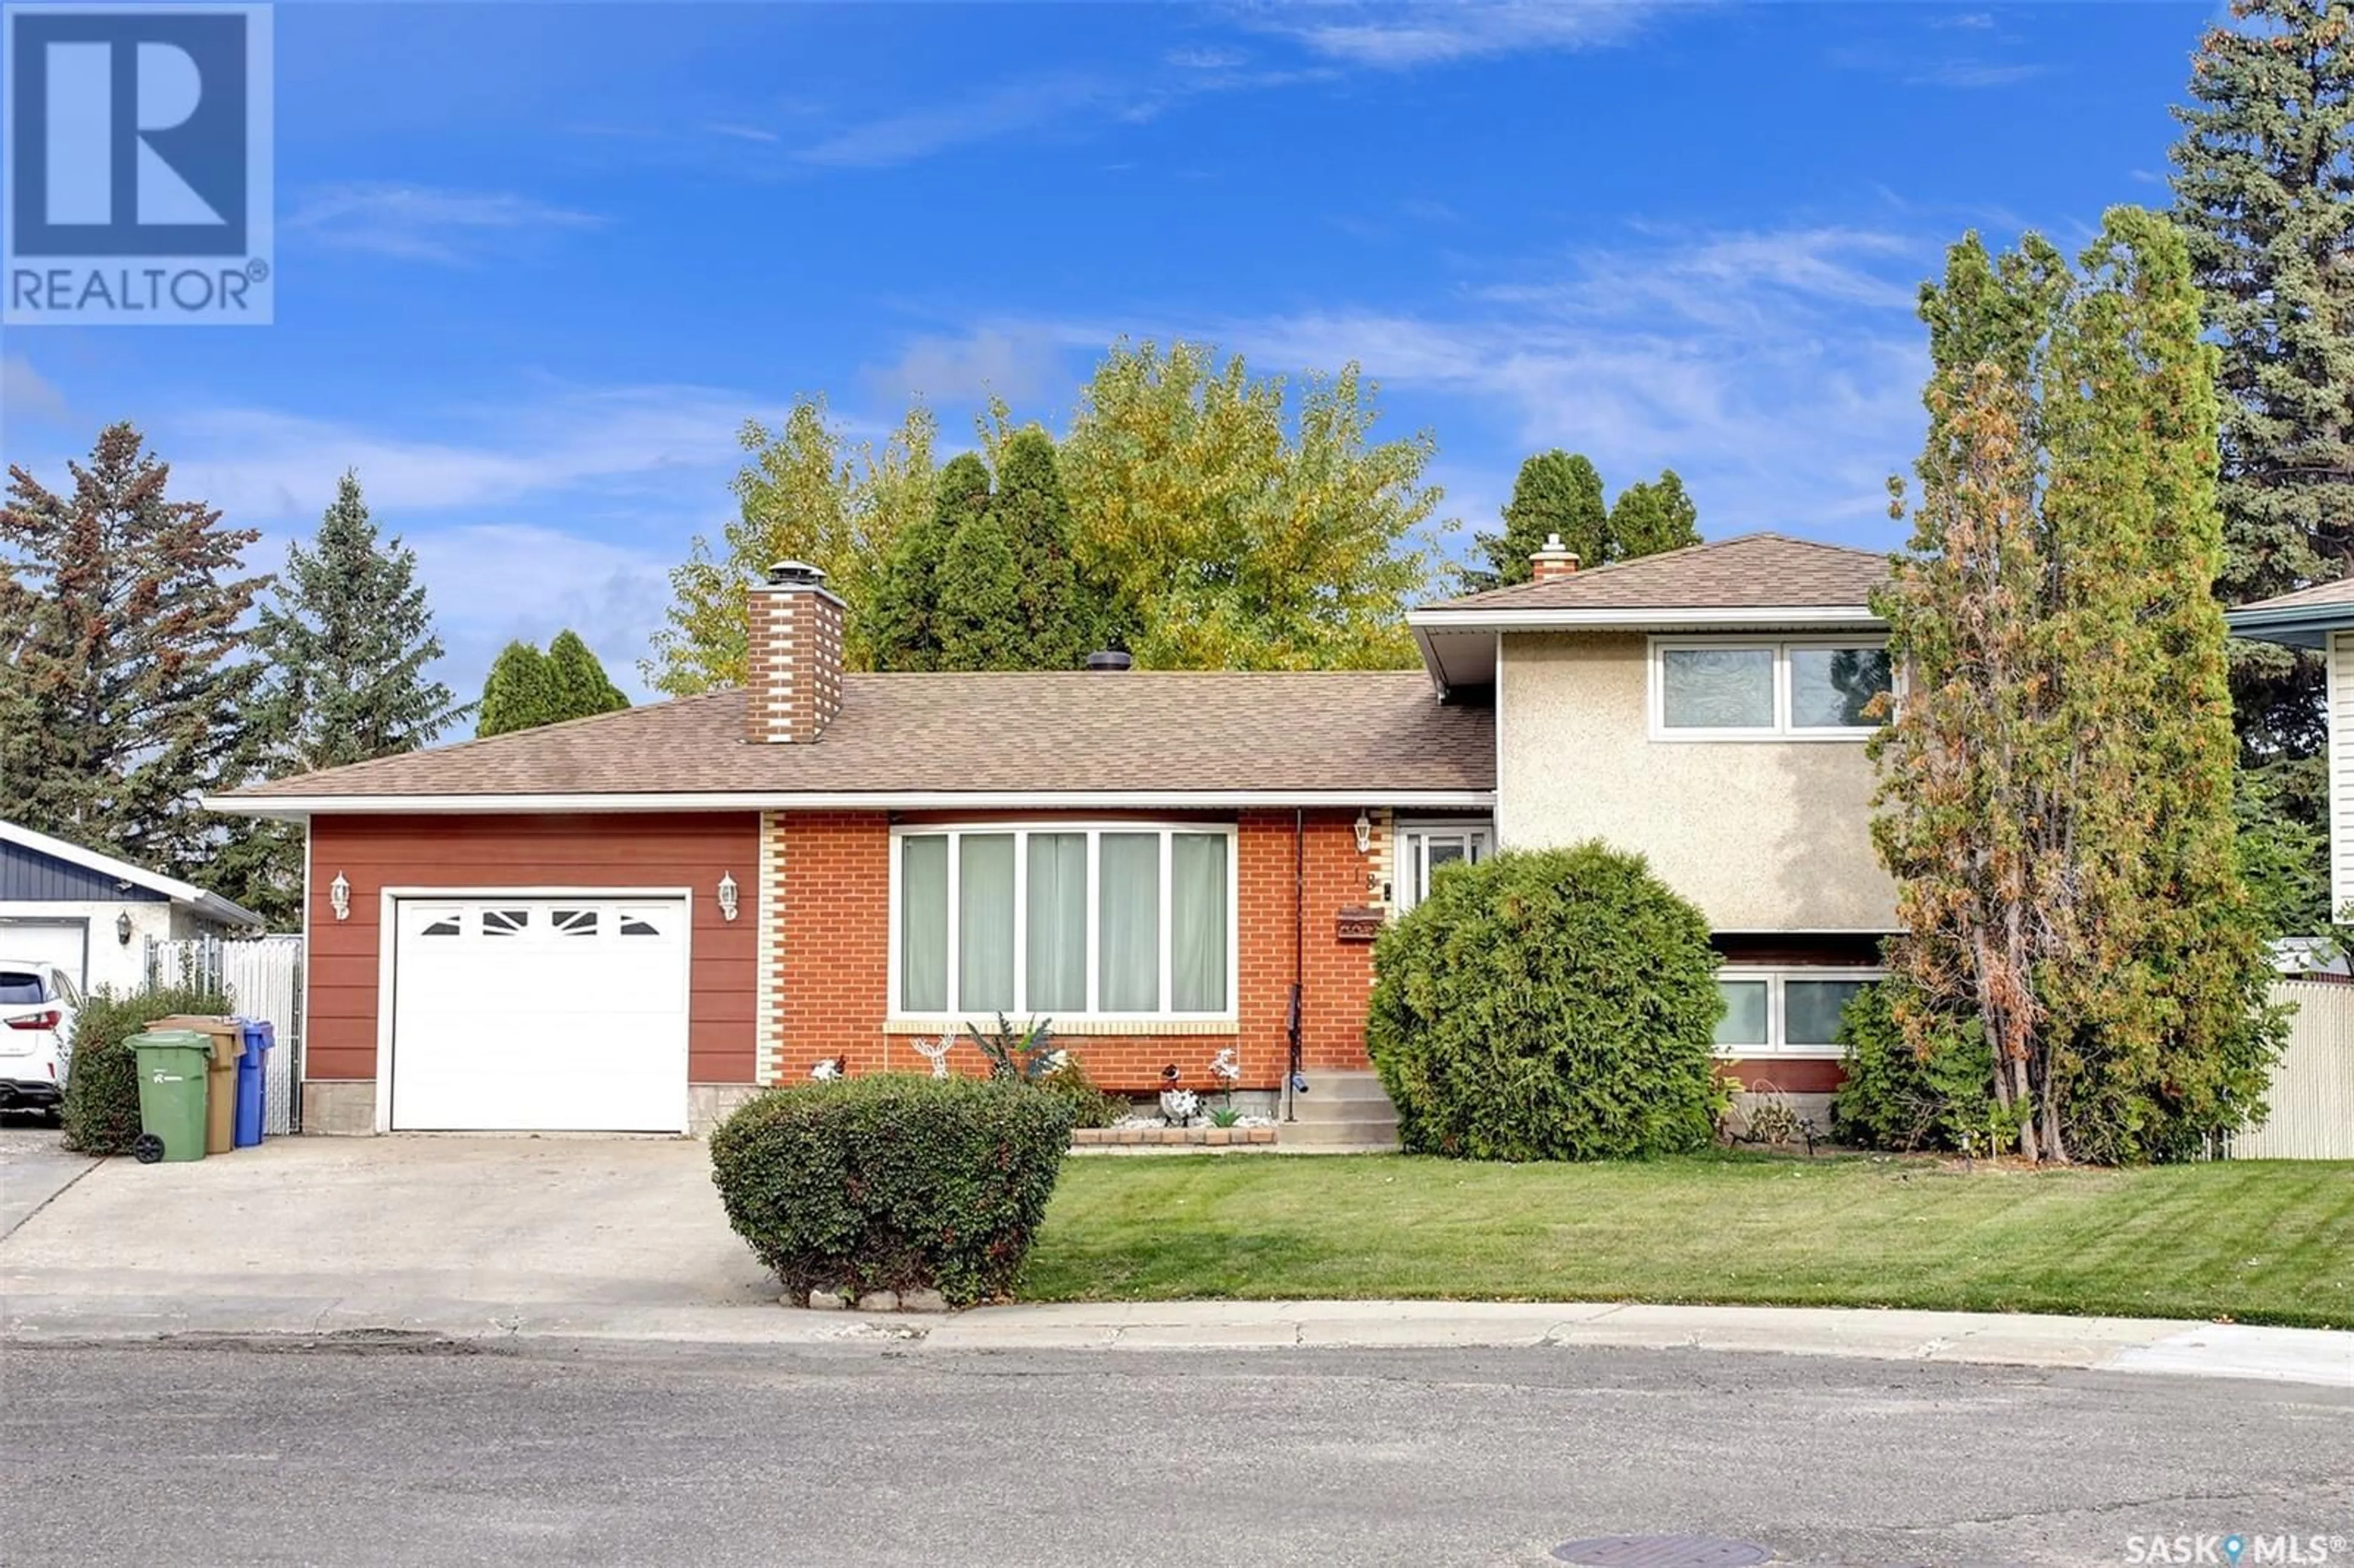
{"x": 172, "y": 1067}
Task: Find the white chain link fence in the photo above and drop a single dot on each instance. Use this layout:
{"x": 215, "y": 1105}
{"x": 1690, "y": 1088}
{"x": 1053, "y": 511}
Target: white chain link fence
{"x": 263, "y": 976}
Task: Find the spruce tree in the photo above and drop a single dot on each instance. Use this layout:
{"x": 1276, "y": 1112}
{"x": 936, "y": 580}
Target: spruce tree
{"x": 1651, "y": 516}
{"x": 122, "y": 695}
{"x": 520, "y": 692}
{"x": 904, "y": 630}
{"x": 1555, "y": 492}
{"x": 578, "y": 682}
{"x": 347, "y": 645}
{"x": 2264, "y": 184}
{"x": 1009, "y": 597}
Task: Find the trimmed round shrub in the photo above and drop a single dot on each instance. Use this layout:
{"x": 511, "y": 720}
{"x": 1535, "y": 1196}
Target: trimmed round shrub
{"x": 102, "y": 1097}
{"x": 1551, "y": 1004}
{"x": 896, "y": 1182}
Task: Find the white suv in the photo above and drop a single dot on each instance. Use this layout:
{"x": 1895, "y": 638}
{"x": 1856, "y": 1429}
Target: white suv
{"x": 38, "y": 1005}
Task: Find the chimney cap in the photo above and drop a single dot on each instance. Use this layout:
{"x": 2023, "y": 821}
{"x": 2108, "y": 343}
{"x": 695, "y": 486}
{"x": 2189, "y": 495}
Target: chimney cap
{"x": 1555, "y": 559}
{"x": 795, "y": 574}
{"x": 1110, "y": 659}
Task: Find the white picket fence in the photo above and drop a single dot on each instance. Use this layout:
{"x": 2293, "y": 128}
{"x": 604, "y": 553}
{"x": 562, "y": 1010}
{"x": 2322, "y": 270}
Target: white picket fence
{"x": 2312, "y": 1095}
{"x": 263, "y": 978}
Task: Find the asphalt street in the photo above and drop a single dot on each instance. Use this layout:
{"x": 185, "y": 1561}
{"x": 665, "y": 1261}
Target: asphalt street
{"x": 392, "y": 1451}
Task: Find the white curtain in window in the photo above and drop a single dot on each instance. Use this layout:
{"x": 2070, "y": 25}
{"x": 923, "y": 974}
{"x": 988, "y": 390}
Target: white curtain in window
{"x": 924, "y": 923}
{"x": 1058, "y": 959}
{"x": 1197, "y": 922}
{"x": 1129, "y": 930}
{"x": 985, "y": 922}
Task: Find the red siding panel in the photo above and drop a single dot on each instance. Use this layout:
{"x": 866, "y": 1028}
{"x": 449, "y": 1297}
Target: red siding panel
{"x": 614, "y": 850}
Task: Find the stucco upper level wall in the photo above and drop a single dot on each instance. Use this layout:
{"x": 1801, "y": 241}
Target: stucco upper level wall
{"x": 1763, "y": 835}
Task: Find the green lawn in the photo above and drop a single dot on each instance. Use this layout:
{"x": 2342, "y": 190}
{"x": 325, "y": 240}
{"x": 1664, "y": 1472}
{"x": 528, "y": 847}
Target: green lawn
{"x": 2261, "y": 1242}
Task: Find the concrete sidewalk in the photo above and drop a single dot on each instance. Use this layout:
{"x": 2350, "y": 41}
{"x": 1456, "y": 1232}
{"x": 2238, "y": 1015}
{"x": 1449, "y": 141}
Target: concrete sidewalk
{"x": 2321, "y": 1357}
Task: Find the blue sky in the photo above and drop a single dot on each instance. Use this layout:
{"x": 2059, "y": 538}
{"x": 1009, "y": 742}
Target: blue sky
{"x": 537, "y": 263}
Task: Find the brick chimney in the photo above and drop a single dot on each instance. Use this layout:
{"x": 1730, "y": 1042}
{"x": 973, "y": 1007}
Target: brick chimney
{"x": 793, "y": 667}
{"x": 1555, "y": 560}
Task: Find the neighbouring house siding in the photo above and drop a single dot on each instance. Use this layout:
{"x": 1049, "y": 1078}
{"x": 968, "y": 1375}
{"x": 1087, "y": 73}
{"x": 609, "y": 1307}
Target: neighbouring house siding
{"x": 26, "y": 875}
{"x": 2340, "y": 670}
{"x": 1762, "y": 835}
{"x": 831, "y": 953}
{"x": 620, "y": 850}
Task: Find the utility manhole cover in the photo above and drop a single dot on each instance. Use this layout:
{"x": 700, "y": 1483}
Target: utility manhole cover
{"x": 1662, "y": 1552}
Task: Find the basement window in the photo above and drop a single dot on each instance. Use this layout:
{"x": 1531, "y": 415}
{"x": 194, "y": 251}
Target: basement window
{"x": 1125, "y": 920}
{"x": 1785, "y": 1012}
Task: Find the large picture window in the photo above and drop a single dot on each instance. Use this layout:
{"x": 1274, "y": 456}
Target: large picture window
{"x": 1777, "y": 1013}
{"x": 1721, "y": 690}
{"x": 1125, "y": 921}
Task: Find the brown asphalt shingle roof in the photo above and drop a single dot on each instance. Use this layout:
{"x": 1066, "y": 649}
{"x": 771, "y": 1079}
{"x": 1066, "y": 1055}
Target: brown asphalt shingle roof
{"x": 2340, "y": 590}
{"x": 1754, "y": 571}
{"x": 1138, "y": 729}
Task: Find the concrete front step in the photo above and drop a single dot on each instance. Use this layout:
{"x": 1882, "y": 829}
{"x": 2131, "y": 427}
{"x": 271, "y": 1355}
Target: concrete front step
{"x": 1350, "y": 1089}
{"x": 1365, "y": 1132}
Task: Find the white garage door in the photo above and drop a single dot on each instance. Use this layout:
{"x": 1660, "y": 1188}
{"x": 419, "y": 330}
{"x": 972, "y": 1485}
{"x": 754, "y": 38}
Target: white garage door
{"x": 541, "y": 1013}
{"x": 64, "y": 943}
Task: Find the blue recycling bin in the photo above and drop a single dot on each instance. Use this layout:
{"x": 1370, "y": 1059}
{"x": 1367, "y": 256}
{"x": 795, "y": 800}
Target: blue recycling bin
{"x": 253, "y": 1080}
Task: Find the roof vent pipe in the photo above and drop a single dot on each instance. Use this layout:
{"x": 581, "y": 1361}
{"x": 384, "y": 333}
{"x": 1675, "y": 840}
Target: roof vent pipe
{"x": 1108, "y": 659}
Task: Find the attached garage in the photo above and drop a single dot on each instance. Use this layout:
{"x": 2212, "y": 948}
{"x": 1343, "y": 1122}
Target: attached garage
{"x": 537, "y": 1013}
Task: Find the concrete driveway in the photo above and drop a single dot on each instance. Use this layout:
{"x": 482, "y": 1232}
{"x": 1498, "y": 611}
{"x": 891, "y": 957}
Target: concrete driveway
{"x": 520, "y": 1221}
{"x": 33, "y": 1167}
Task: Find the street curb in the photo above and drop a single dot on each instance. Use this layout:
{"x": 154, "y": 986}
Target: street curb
{"x": 2313, "y": 1357}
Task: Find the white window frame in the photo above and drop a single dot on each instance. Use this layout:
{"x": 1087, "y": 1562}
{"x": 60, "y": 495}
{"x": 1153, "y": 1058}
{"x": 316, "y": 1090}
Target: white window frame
{"x": 1777, "y": 977}
{"x": 1066, "y": 1023}
{"x": 1414, "y": 866}
{"x": 1781, "y": 728}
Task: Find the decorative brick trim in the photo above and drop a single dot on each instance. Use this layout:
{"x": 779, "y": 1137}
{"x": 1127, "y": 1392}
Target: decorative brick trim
{"x": 769, "y": 1016}
{"x": 1171, "y": 1137}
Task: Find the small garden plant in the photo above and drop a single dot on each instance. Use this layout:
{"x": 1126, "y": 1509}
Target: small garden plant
{"x": 896, "y": 1181}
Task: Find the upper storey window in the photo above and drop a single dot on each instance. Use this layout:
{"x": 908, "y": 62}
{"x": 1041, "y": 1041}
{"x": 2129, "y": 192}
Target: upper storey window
{"x": 1819, "y": 689}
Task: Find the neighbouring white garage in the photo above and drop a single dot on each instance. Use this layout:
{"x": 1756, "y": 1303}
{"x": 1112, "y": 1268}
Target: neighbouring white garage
{"x": 538, "y": 1012}
{"x": 62, "y": 942}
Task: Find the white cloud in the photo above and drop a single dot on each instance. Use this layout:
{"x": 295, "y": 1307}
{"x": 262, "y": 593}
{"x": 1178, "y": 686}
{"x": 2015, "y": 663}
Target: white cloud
{"x": 571, "y": 514}
{"x": 1015, "y": 361}
{"x": 1012, "y": 106}
{"x": 26, "y": 393}
{"x": 418, "y": 223}
{"x": 1779, "y": 372}
{"x": 491, "y": 584}
{"x": 1402, "y": 37}
{"x": 1972, "y": 73}
{"x": 267, "y": 462}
